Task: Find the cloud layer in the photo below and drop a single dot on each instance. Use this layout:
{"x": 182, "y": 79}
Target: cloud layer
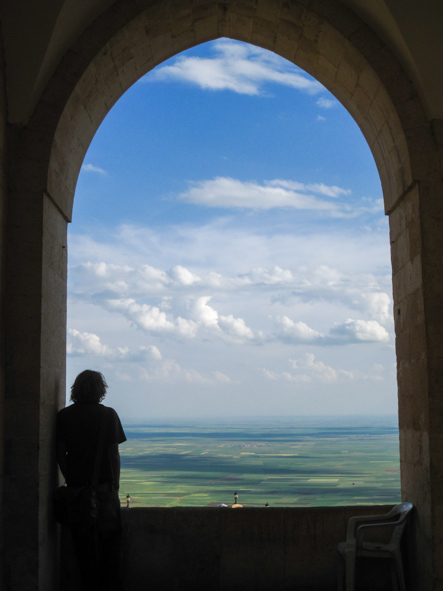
{"x": 222, "y": 316}
{"x": 206, "y": 309}
{"x": 239, "y": 68}
{"x": 229, "y": 193}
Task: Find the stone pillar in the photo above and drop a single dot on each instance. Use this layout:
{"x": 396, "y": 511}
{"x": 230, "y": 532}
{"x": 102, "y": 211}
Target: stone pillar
{"x": 35, "y": 325}
{"x": 416, "y": 226}
{"x": 3, "y": 193}
{"x": 431, "y": 217}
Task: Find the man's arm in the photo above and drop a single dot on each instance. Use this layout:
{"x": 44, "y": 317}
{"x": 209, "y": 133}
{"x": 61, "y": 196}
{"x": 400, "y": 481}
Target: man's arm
{"x": 114, "y": 454}
{"x": 61, "y": 458}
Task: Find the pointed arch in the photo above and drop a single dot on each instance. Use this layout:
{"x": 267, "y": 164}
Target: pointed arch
{"x": 132, "y": 37}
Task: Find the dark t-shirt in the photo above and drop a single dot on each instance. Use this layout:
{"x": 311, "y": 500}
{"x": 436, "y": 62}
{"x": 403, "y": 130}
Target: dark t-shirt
{"x": 78, "y": 427}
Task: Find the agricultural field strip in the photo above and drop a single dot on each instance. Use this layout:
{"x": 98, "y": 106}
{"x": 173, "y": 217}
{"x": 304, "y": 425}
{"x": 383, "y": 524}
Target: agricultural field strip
{"x": 165, "y": 469}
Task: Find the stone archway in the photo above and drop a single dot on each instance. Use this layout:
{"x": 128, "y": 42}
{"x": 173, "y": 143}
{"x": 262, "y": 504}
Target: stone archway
{"x": 333, "y": 45}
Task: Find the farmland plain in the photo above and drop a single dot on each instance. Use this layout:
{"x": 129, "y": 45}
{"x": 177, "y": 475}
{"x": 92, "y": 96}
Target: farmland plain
{"x": 281, "y": 462}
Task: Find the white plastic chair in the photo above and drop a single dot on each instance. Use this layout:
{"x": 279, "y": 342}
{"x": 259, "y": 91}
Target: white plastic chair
{"x": 355, "y": 545}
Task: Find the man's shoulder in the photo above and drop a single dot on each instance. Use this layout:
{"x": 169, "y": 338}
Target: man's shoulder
{"x": 66, "y": 411}
{"x": 109, "y": 410}
{"x": 79, "y": 409}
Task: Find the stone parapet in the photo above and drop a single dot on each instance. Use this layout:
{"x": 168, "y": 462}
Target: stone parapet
{"x": 249, "y": 549}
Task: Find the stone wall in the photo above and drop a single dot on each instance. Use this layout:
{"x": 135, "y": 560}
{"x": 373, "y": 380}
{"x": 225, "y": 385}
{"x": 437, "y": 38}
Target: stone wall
{"x": 3, "y": 188}
{"x": 257, "y": 549}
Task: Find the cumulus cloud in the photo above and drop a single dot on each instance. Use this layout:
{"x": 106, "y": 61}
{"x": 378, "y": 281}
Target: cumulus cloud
{"x": 308, "y": 370}
{"x": 236, "y": 328}
{"x": 159, "y": 320}
{"x": 239, "y": 68}
{"x": 297, "y": 332}
{"x": 143, "y": 354}
{"x": 147, "y": 362}
{"x": 120, "y": 280}
{"x": 92, "y": 168}
{"x": 175, "y": 303}
{"x": 362, "y": 293}
{"x": 85, "y": 343}
{"x": 124, "y": 279}
{"x": 227, "y": 327}
{"x": 151, "y": 318}
{"x": 348, "y": 332}
{"x": 264, "y": 276}
{"x": 204, "y": 314}
{"x": 222, "y": 291}
{"x": 323, "y": 372}
{"x": 183, "y": 276}
{"x": 358, "y": 331}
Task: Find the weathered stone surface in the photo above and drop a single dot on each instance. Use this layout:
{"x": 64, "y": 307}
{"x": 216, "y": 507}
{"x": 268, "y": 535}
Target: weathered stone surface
{"x": 234, "y": 549}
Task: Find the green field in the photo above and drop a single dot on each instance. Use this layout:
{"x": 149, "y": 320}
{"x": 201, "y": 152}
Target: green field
{"x": 280, "y": 462}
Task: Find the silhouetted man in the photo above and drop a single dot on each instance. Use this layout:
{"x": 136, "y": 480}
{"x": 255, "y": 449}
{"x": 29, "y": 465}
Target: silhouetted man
{"x": 97, "y": 546}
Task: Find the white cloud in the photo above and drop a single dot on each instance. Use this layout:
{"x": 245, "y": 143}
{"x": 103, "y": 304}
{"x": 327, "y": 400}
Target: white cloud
{"x": 226, "y": 192}
{"x": 239, "y": 303}
{"x": 204, "y": 315}
{"x": 297, "y": 379}
{"x": 227, "y": 327}
{"x": 85, "y": 343}
{"x": 321, "y": 188}
{"x": 150, "y": 318}
{"x": 236, "y": 328}
{"x": 310, "y": 371}
{"x": 113, "y": 279}
{"x": 352, "y": 249}
{"x": 147, "y": 362}
{"x": 378, "y": 305}
{"x": 237, "y": 67}
{"x": 274, "y": 276}
{"x": 221, "y": 377}
{"x": 297, "y": 332}
{"x": 357, "y": 331}
{"x": 143, "y": 354}
{"x": 170, "y": 372}
{"x": 120, "y": 279}
{"x": 324, "y": 372}
{"x": 325, "y": 103}
{"x": 183, "y": 276}
{"x": 154, "y": 320}
{"x": 348, "y": 332}
{"x": 92, "y": 168}
{"x": 230, "y": 193}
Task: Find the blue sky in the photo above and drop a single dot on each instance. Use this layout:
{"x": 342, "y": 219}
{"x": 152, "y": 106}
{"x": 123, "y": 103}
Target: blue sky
{"x": 229, "y": 254}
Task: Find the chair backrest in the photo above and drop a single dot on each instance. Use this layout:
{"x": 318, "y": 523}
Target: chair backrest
{"x": 398, "y": 515}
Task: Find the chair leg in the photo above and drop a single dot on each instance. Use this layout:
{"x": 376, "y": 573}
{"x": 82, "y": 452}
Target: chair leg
{"x": 400, "y": 573}
{"x": 349, "y": 570}
{"x": 394, "y": 575}
{"x": 340, "y": 573}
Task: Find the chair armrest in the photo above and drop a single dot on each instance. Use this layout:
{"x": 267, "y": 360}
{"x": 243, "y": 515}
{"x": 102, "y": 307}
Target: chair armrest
{"x": 362, "y": 529}
{"x": 353, "y": 527}
{"x": 358, "y": 525}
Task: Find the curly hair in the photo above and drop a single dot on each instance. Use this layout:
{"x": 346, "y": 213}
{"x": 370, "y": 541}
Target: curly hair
{"x": 89, "y": 387}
